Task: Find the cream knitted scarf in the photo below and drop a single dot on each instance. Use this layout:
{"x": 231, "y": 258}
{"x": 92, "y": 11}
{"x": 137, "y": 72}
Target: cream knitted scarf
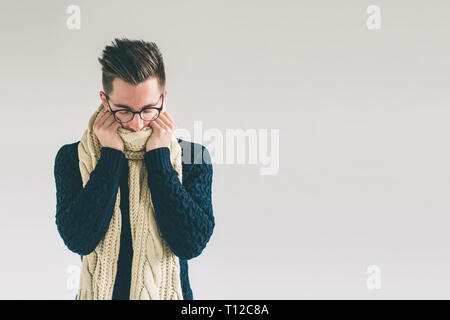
{"x": 155, "y": 273}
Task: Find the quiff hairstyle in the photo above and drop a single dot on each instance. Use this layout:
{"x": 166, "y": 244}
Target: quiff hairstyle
{"x": 133, "y": 61}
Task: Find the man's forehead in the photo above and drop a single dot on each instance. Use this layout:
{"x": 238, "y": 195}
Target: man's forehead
{"x": 136, "y": 96}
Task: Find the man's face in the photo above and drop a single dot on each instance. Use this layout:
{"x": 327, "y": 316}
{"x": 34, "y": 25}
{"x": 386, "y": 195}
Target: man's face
{"x": 135, "y": 97}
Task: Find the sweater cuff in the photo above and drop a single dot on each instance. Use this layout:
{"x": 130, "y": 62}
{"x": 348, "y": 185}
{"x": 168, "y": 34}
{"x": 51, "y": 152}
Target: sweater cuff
{"x": 111, "y": 161}
{"x": 158, "y": 160}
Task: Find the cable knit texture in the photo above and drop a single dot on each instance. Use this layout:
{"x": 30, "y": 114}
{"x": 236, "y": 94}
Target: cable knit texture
{"x": 155, "y": 273}
{"x": 183, "y": 212}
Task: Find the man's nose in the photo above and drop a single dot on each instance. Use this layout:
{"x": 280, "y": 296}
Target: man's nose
{"x": 137, "y": 124}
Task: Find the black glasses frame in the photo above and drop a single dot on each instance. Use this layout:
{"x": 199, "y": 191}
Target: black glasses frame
{"x": 135, "y": 112}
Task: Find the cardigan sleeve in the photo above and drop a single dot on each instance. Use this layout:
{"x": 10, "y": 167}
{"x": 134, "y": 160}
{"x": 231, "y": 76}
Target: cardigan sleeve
{"x": 183, "y": 211}
{"x": 83, "y": 214}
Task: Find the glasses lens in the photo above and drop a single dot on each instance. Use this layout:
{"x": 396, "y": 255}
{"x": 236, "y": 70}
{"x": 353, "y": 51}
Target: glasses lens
{"x": 149, "y": 114}
{"x": 124, "y": 116}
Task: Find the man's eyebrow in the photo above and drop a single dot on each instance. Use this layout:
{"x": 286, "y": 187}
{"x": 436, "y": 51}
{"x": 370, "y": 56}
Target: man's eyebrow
{"x": 127, "y": 107}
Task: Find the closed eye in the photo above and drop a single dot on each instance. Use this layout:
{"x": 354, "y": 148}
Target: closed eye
{"x": 128, "y": 110}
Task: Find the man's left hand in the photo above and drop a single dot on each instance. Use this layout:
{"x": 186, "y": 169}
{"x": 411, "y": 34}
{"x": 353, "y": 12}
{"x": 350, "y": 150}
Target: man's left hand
{"x": 163, "y": 128}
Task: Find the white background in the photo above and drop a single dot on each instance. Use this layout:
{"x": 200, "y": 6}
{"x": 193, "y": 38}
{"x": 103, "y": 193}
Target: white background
{"x": 364, "y": 150}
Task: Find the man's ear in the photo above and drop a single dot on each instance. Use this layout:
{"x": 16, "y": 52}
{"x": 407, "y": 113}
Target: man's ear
{"x": 164, "y": 107}
{"x": 102, "y": 98}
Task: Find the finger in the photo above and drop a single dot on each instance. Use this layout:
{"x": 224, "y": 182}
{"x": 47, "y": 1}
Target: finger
{"x": 115, "y": 124}
{"x": 169, "y": 115}
{"x": 104, "y": 111}
{"x": 105, "y": 121}
{"x": 161, "y": 124}
{"x": 155, "y": 125}
{"x": 168, "y": 122}
{"x": 111, "y": 121}
{"x": 100, "y": 119}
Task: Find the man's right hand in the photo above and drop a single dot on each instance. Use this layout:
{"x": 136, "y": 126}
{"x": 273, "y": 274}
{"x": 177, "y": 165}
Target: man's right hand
{"x": 105, "y": 128}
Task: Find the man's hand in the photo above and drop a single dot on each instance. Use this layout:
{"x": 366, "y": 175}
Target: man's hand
{"x": 163, "y": 128}
{"x": 105, "y": 128}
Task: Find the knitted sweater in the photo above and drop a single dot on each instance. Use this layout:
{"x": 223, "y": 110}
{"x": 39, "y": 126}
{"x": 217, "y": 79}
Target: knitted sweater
{"x": 183, "y": 211}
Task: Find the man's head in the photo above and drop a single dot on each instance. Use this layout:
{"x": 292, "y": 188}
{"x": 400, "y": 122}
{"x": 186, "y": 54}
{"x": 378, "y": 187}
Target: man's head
{"x": 132, "y": 75}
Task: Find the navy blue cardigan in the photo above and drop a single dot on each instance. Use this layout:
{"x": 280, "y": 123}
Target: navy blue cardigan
{"x": 183, "y": 211}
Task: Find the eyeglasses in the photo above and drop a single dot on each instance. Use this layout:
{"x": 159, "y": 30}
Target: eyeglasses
{"x": 147, "y": 114}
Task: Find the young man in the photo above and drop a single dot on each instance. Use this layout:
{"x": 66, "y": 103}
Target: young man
{"x": 134, "y": 201}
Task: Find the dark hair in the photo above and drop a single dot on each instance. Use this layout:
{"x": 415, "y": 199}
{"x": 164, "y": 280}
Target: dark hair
{"x": 133, "y": 61}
